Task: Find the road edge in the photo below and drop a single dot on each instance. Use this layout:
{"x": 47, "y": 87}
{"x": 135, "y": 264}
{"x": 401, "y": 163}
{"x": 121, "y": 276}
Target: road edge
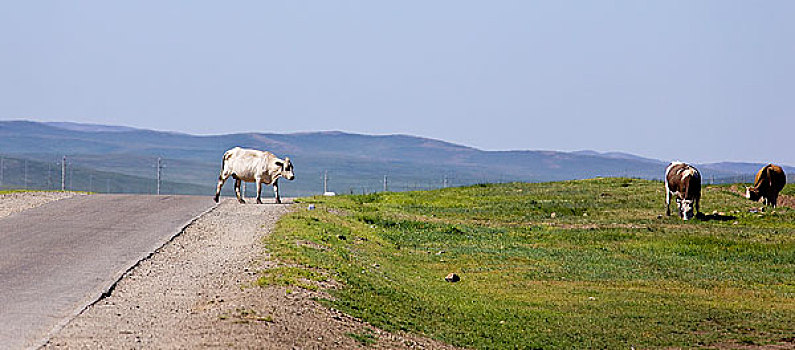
{"x": 106, "y": 290}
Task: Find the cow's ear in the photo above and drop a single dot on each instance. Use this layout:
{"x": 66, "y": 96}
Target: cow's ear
{"x": 279, "y": 164}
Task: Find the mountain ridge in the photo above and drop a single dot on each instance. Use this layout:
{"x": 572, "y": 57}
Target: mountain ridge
{"x": 355, "y": 162}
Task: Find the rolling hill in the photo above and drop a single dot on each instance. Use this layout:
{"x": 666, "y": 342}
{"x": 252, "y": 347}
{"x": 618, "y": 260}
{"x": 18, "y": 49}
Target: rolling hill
{"x": 354, "y": 162}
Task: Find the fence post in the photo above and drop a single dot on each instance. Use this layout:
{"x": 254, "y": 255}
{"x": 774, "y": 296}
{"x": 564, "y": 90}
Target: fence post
{"x": 63, "y": 174}
{"x": 160, "y": 167}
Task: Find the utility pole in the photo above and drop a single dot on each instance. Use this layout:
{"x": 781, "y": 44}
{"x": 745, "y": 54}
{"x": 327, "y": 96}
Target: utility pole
{"x": 386, "y": 184}
{"x": 63, "y": 174}
{"x": 325, "y": 181}
{"x": 160, "y": 167}
{"x": 444, "y": 182}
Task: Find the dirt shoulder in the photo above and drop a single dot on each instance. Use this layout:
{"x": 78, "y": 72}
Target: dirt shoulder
{"x": 198, "y": 292}
{"x": 18, "y": 201}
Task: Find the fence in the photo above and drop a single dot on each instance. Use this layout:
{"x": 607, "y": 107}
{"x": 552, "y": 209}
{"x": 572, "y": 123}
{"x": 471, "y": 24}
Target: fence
{"x": 97, "y": 174}
{"x": 81, "y": 175}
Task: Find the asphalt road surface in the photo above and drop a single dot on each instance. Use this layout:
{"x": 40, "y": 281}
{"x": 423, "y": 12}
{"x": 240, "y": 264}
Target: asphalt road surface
{"x": 58, "y": 258}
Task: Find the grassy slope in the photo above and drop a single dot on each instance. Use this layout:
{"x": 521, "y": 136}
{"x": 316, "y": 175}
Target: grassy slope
{"x": 789, "y": 190}
{"x": 605, "y": 272}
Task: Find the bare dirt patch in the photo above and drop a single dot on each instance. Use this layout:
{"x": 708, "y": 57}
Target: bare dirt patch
{"x": 199, "y": 292}
{"x": 786, "y": 201}
{"x": 15, "y": 202}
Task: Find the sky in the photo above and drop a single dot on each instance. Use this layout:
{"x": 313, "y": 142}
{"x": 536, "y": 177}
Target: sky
{"x": 698, "y": 81}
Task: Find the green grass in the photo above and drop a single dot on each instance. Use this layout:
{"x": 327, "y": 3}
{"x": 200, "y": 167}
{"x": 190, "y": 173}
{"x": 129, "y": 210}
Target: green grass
{"x": 605, "y": 272}
{"x": 290, "y": 276}
{"x": 15, "y": 191}
{"x": 364, "y": 338}
{"x": 789, "y": 190}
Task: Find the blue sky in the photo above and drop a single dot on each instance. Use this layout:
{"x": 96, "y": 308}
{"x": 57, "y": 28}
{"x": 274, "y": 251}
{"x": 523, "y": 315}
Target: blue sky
{"x": 692, "y": 80}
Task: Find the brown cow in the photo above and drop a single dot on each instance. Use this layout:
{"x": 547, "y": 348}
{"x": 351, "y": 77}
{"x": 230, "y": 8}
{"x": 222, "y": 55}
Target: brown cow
{"x": 684, "y": 182}
{"x": 768, "y": 183}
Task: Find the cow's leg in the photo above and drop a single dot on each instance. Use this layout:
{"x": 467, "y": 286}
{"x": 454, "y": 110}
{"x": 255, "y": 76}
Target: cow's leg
{"x": 774, "y": 200}
{"x": 259, "y": 191}
{"x": 221, "y": 179}
{"x": 667, "y": 200}
{"x": 237, "y": 191}
{"x": 276, "y": 191}
{"x": 698, "y": 205}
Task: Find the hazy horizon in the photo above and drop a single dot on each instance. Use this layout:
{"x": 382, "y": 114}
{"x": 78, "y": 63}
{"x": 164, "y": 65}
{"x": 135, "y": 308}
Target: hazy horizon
{"x": 702, "y": 82}
{"x": 386, "y": 134}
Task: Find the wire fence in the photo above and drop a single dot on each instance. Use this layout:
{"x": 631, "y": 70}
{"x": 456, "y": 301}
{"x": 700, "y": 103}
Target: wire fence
{"x": 155, "y": 175}
{"x": 328, "y": 181}
{"x": 76, "y": 175}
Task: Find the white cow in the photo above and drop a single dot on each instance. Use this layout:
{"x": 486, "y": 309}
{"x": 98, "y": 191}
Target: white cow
{"x": 251, "y": 165}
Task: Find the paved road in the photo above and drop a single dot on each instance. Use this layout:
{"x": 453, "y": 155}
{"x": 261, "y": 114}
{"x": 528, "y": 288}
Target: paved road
{"x": 60, "y": 257}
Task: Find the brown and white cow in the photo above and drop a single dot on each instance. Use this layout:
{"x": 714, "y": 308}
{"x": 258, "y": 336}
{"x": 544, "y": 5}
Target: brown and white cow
{"x": 770, "y": 180}
{"x": 251, "y": 165}
{"x": 684, "y": 182}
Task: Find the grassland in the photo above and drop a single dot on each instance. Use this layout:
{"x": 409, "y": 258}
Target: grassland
{"x": 789, "y": 190}
{"x": 577, "y": 264}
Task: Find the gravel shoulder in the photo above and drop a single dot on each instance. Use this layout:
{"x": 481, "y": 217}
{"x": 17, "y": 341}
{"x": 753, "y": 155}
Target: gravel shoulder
{"x": 199, "y": 291}
{"x": 15, "y": 202}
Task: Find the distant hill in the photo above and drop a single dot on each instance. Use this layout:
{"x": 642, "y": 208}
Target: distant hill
{"x": 615, "y": 155}
{"x": 354, "y": 162}
{"x": 742, "y": 172}
{"x": 88, "y": 127}
{"x": 744, "y": 168}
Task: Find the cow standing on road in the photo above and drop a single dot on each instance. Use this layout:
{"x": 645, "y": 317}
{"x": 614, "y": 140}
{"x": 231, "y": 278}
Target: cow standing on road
{"x": 251, "y": 165}
{"x": 684, "y": 182}
{"x": 769, "y": 181}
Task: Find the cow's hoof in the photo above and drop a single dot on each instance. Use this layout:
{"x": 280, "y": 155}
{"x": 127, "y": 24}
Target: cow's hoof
{"x": 278, "y": 201}
{"x": 241, "y": 201}
{"x": 259, "y": 201}
{"x": 215, "y": 199}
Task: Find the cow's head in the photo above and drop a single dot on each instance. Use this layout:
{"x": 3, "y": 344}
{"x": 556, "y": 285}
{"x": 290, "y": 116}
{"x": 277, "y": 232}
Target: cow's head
{"x": 752, "y": 194}
{"x": 286, "y": 168}
{"x": 685, "y": 208}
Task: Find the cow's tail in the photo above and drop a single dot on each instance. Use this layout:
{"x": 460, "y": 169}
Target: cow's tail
{"x": 770, "y": 174}
{"x": 227, "y": 155}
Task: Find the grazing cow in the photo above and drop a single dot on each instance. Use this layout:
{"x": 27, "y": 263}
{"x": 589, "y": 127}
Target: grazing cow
{"x": 768, "y": 183}
{"x": 251, "y": 165}
{"x": 684, "y": 182}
